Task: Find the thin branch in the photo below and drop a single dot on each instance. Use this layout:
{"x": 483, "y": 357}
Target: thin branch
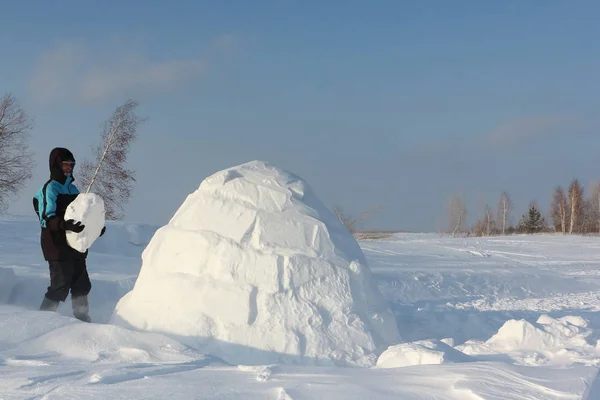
{"x": 107, "y": 175}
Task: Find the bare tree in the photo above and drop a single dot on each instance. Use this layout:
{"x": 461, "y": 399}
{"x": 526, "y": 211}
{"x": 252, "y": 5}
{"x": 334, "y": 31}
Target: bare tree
{"x": 16, "y": 162}
{"x": 505, "y": 206}
{"x": 560, "y": 210}
{"x": 576, "y": 200}
{"x": 457, "y": 215}
{"x": 486, "y": 225}
{"x": 350, "y": 222}
{"x": 478, "y": 229}
{"x": 595, "y": 207}
{"x": 107, "y": 175}
{"x": 490, "y": 223}
{"x": 586, "y": 222}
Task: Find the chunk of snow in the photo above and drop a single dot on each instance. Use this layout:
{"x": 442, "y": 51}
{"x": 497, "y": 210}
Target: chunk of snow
{"x": 420, "y": 353}
{"x": 256, "y": 270}
{"x": 556, "y": 341}
{"x": 89, "y": 209}
{"x": 522, "y": 335}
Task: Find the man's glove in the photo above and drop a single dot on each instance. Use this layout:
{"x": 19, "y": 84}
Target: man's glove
{"x": 102, "y": 231}
{"x": 71, "y": 225}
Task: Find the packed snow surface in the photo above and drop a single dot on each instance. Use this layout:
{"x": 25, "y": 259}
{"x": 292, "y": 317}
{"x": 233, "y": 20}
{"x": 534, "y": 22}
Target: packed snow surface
{"x": 87, "y": 208}
{"x": 256, "y": 270}
{"x": 520, "y": 316}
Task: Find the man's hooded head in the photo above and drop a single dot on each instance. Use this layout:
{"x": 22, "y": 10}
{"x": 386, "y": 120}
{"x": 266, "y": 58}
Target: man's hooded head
{"x": 59, "y": 155}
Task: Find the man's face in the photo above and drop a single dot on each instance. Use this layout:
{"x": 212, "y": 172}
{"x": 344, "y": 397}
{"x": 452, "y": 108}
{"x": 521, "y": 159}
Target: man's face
{"x": 67, "y": 167}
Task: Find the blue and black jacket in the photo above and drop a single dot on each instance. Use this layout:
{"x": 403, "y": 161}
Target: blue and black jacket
{"x": 50, "y": 204}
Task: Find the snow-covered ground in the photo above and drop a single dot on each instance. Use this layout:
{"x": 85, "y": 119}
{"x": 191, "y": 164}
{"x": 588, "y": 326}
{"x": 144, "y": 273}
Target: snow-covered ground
{"x": 495, "y": 318}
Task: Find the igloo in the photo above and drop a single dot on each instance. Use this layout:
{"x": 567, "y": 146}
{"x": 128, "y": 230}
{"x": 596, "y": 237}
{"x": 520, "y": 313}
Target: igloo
{"x": 254, "y": 269}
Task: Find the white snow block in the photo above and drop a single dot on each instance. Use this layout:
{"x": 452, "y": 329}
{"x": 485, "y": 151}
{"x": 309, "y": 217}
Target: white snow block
{"x": 254, "y": 269}
{"x": 420, "y": 353}
{"x": 89, "y": 209}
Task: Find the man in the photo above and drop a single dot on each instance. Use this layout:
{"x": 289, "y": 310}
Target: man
{"x": 68, "y": 270}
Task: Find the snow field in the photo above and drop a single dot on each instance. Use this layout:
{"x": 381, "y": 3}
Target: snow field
{"x": 107, "y": 360}
{"x": 255, "y": 290}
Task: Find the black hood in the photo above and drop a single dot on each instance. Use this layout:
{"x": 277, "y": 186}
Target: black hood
{"x": 57, "y": 156}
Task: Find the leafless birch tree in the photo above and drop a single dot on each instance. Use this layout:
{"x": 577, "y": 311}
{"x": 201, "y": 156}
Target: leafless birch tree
{"x": 457, "y": 215}
{"x": 490, "y": 223}
{"x": 16, "y": 162}
{"x": 576, "y": 199}
{"x": 107, "y": 174}
{"x": 560, "y": 210}
{"x": 586, "y": 222}
{"x": 595, "y": 207}
{"x": 486, "y": 225}
{"x": 505, "y": 206}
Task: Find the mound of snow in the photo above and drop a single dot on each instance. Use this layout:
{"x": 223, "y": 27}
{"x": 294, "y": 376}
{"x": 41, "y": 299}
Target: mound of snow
{"x": 420, "y": 353}
{"x": 553, "y": 341}
{"x": 522, "y": 335}
{"x": 109, "y": 343}
{"x": 89, "y": 209}
{"x": 554, "y": 333}
{"x": 31, "y": 333}
{"x": 256, "y": 270}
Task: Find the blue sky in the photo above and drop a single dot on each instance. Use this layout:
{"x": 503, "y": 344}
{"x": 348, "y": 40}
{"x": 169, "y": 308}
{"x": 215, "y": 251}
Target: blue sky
{"x": 391, "y": 103}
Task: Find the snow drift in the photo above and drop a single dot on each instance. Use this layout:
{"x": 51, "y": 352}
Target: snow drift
{"x": 256, "y": 270}
{"x": 561, "y": 341}
{"x": 29, "y": 334}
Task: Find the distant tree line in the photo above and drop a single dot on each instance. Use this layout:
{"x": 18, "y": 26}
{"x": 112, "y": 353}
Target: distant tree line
{"x": 572, "y": 211}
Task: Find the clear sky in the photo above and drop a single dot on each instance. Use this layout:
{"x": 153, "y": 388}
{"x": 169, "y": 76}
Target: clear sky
{"x": 391, "y": 103}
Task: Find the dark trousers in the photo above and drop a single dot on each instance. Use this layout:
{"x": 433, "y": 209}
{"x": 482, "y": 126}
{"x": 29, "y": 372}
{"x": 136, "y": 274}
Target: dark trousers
{"x": 68, "y": 276}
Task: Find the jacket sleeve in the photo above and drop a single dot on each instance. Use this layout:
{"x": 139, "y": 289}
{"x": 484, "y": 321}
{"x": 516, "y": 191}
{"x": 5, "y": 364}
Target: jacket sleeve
{"x": 49, "y": 218}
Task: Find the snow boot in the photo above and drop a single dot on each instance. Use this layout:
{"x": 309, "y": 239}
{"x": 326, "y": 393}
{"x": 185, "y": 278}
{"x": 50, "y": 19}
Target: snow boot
{"x": 49, "y": 305}
{"x": 81, "y": 308}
